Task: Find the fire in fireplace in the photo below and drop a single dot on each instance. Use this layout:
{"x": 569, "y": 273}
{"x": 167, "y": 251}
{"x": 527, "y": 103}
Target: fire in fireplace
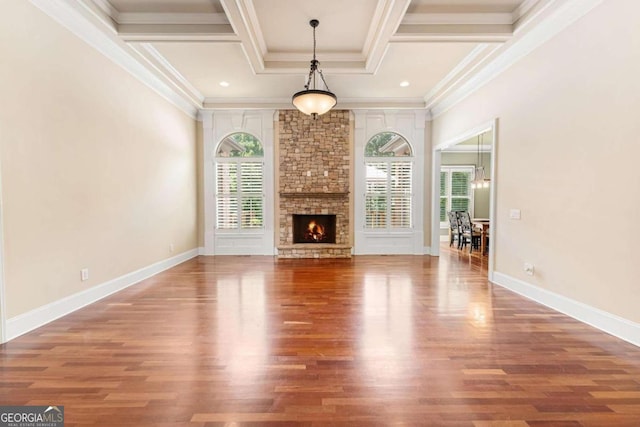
{"x": 314, "y": 228}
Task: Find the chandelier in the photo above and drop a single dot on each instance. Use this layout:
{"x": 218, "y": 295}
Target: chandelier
{"x": 312, "y": 101}
{"x": 479, "y": 179}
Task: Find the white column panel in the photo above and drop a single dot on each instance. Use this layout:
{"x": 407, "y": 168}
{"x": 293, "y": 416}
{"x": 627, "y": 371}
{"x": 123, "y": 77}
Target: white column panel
{"x": 411, "y": 125}
{"x": 217, "y": 125}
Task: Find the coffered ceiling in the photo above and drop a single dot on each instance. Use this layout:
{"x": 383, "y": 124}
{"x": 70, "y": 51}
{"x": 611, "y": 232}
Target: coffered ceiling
{"x": 262, "y": 48}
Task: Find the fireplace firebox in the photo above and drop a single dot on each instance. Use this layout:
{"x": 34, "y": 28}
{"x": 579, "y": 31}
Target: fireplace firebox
{"x": 314, "y": 228}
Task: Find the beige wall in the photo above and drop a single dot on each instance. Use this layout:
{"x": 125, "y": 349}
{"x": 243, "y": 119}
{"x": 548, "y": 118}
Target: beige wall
{"x": 567, "y": 136}
{"x": 98, "y": 171}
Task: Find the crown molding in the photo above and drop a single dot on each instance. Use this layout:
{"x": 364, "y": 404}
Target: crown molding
{"x": 471, "y": 62}
{"x": 173, "y": 76}
{"x": 556, "y": 20}
{"x": 94, "y": 27}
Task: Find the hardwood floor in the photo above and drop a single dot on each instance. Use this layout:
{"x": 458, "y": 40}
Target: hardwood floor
{"x": 371, "y": 341}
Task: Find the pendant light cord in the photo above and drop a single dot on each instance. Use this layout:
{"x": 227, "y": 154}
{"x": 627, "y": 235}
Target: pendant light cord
{"x": 315, "y": 63}
{"x": 314, "y": 44}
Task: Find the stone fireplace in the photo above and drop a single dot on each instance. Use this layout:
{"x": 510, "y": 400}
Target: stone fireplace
{"x": 314, "y": 178}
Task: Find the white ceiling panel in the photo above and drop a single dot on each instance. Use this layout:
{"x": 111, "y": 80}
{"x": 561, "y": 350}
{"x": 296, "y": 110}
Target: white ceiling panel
{"x": 344, "y": 25}
{"x": 205, "y": 65}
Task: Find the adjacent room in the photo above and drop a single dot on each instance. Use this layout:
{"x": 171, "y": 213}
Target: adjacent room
{"x": 305, "y": 213}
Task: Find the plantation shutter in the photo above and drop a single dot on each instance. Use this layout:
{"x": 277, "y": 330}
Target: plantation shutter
{"x": 251, "y": 194}
{"x": 400, "y": 184}
{"x": 376, "y": 195}
{"x": 444, "y": 184}
{"x": 388, "y": 194}
{"x": 455, "y": 191}
{"x": 239, "y": 195}
{"x": 460, "y": 190}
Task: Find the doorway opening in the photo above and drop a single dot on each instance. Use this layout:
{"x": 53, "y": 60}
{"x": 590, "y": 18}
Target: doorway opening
{"x": 458, "y": 165}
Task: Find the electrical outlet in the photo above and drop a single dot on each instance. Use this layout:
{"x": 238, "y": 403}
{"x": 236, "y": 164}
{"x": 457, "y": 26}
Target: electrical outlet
{"x": 528, "y": 268}
{"x": 170, "y": 247}
{"x": 514, "y": 214}
{"x": 84, "y": 274}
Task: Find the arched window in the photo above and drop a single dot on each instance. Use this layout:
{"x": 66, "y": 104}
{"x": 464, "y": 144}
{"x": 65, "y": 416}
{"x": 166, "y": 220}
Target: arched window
{"x": 388, "y": 195}
{"x": 239, "y": 183}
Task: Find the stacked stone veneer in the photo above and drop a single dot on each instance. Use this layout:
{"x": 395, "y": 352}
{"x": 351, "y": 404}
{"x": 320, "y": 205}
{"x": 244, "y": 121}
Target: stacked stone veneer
{"x": 308, "y": 148}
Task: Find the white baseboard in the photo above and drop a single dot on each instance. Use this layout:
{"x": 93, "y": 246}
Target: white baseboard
{"x": 40, "y": 316}
{"x": 202, "y": 250}
{"x": 610, "y": 323}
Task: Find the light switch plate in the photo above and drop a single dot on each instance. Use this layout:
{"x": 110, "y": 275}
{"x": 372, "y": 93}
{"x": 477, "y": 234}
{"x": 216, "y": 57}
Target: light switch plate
{"x": 514, "y": 214}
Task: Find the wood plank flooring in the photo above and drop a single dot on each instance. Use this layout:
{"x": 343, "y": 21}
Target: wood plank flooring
{"x": 371, "y": 341}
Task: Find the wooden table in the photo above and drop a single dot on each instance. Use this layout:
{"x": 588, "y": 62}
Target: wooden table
{"x": 484, "y": 224}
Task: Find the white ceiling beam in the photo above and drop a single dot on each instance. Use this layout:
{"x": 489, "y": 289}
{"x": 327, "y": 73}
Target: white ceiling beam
{"x": 243, "y": 19}
{"x": 304, "y": 57}
{"x": 302, "y": 68}
{"x": 387, "y": 19}
{"x": 458, "y": 18}
{"x": 476, "y": 33}
{"x": 171, "y": 18}
{"x": 176, "y": 32}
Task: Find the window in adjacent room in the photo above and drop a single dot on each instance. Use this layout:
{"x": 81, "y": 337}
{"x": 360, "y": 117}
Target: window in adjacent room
{"x": 455, "y": 191}
{"x": 239, "y": 183}
{"x": 388, "y": 169}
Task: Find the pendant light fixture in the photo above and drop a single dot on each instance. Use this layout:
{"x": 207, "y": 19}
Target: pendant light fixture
{"x": 479, "y": 180}
{"x": 313, "y": 101}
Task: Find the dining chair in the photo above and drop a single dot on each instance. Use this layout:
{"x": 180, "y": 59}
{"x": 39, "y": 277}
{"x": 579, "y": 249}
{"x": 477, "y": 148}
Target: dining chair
{"x": 468, "y": 234}
{"x": 454, "y": 228}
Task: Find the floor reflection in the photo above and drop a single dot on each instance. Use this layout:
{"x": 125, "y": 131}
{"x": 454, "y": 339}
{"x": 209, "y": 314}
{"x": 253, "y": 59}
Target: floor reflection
{"x": 387, "y": 323}
{"x": 241, "y": 321}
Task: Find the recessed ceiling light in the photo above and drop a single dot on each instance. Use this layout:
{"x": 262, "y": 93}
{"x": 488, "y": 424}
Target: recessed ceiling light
{"x": 224, "y": 84}
{"x": 404, "y": 84}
